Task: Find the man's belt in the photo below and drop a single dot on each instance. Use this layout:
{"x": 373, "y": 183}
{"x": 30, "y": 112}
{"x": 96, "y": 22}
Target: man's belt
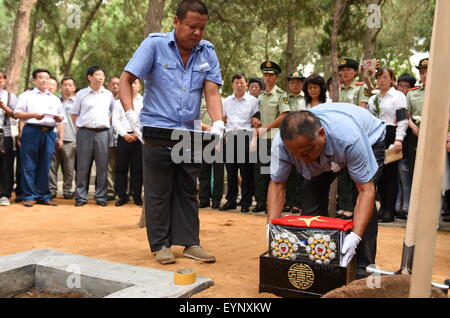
{"x": 41, "y": 127}
{"x": 95, "y": 129}
{"x": 168, "y": 137}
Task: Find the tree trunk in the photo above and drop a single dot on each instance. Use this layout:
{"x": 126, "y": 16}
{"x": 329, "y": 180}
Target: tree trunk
{"x": 290, "y": 62}
{"x": 338, "y": 11}
{"x": 155, "y": 15}
{"x": 35, "y": 20}
{"x": 19, "y": 44}
{"x": 371, "y": 33}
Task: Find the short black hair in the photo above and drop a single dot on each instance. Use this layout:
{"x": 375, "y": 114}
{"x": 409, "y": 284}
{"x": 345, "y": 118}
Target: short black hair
{"x": 238, "y": 76}
{"x": 112, "y": 77}
{"x": 300, "y": 123}
{"x": 257, "y": 80}
{"x": 40, "y": 70}
{"x": 92, "y": 69}
{"x": 67, "y": 78}
{"x": 407, "y": 78}
{"x": 317, "y": 80}
{"x": 190, "y": 5}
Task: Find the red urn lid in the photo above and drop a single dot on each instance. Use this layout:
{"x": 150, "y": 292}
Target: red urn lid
{"x": 318, "y": 222}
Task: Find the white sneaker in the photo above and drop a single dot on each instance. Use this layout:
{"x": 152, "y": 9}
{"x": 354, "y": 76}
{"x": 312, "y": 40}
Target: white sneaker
{"x": 4, "y": 201}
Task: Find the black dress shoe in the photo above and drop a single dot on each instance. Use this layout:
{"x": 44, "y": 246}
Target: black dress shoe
{"x": 68, "y": 196}
{"x": 215, "y": 205}
{"x": 259, "y": 208}
{"x": 387, "y": 217}
{"x": 138, "y": 202}
{"x": 245, "y": 209}
{"x": 118, "y": 203}
{"x": 203, "y": 205}
{"x": 228, "y": 206}
{"x": 110, "y": 198}
{"x": 102, "y": 203}
{"x": 80, "y": 203}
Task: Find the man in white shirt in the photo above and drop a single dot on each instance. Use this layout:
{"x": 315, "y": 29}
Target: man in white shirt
{"x": 92, "y": 115}
{"x": 65, "y": 156}
{"x": 8, "y": 102}
{"x": 41, "y": 111}
{"x": 239, "y": 110}
{"x": 129, "y": 151}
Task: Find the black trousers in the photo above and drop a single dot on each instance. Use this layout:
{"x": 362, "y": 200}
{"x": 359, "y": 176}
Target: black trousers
{"x": 387, "y": 186}
{"x": 314, "y": 201}
{"x": 171, "y": 205}
{"x": 7, "y": 168}
{"x": 237, "y": 158}
{"x": 212, "y": 191}
{"x": 129, "y": 158}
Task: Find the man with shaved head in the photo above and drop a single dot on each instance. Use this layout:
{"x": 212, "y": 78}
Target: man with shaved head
{"x": 319, "y": 143}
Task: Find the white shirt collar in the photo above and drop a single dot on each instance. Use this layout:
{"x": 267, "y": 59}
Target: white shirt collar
{"x": 37, "y": 91}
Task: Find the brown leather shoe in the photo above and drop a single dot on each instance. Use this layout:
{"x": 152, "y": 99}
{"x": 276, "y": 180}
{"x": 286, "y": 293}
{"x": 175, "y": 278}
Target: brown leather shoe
{"x": 50, "y": 203}
{"x": 28, "y": 204}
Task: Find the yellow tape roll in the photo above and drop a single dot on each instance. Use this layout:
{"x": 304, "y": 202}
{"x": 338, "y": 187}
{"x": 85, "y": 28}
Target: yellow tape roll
{"x": 184, "y": 277}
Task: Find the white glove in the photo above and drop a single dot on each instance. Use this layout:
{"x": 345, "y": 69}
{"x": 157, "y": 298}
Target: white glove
{"x": 134, "y": 123}
{"x": 348, "y": 249}
{"x": 218, "y": 128}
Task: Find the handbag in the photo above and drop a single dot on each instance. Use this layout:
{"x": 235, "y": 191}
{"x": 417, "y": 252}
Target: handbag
{"x": 391, "y": 155}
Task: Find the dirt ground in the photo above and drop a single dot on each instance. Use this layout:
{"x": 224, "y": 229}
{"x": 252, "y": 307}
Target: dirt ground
{"x": 236, "y": 239}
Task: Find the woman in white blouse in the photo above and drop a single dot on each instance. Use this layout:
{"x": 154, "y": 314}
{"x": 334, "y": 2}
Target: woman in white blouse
{"x": 390, "y": 106}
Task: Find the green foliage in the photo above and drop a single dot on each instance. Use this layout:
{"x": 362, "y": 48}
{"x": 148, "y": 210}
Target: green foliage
{"x": 244, "y": 32}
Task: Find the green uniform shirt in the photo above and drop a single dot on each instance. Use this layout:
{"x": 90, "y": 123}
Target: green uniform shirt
{"x": 297, "y": 102}
{"x": 355, "y": 93}
{"x": 415, "y": 101}
{"x": 271, "y": 105}
{"x": 204, "y": 115}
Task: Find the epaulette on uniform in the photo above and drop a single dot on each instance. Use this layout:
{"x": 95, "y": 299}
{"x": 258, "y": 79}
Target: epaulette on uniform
{"x": 414, "y": 88}
{"x": 359, "y": 83}
{"x": 157, "y": 35}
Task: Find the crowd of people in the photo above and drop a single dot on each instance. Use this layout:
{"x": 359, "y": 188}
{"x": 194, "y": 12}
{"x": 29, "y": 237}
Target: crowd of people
{"x": 366, "y": 139}
{"x": 43, "y": 133}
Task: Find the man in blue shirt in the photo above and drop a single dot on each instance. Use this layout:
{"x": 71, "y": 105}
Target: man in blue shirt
{"x": 319, "y": 143}
{"x": 177, "y": 67}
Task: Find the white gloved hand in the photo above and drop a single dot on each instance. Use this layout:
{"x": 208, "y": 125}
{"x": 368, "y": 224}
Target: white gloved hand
{"x": 218, "y": 128}
{"x": 133, "y": 119}
{"x": 348, "y": 249}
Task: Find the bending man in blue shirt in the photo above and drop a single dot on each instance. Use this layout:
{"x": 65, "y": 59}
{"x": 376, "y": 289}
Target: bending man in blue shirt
{"x": 319, "y": 143}
{"x": 177, "y": 67}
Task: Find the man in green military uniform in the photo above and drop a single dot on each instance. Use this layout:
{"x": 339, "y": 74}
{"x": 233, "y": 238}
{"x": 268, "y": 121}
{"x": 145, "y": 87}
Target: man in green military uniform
{"x": 295, "y": 180}
{"x": 211, "y": 174}
{"x": 273, "y": 107}
{"x": 357, "y": 93}
{"x": 415, "y": 99}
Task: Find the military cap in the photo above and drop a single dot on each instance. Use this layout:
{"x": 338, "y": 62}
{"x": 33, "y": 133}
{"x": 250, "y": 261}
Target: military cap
{"x": 423, "y": 63}
{"x": 257, "y": 80}
{"x": 270, "y": 67}
{"x": 348, "y": 63}
{"x": 296, "y": 74}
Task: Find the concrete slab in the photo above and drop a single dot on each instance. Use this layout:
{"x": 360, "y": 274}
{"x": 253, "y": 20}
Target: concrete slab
{"x": 62, "y": 272}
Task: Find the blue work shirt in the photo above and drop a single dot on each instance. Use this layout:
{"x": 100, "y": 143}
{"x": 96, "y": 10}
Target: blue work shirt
{"x": 173, "y": 93}
{"x": 350, "y": 133}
